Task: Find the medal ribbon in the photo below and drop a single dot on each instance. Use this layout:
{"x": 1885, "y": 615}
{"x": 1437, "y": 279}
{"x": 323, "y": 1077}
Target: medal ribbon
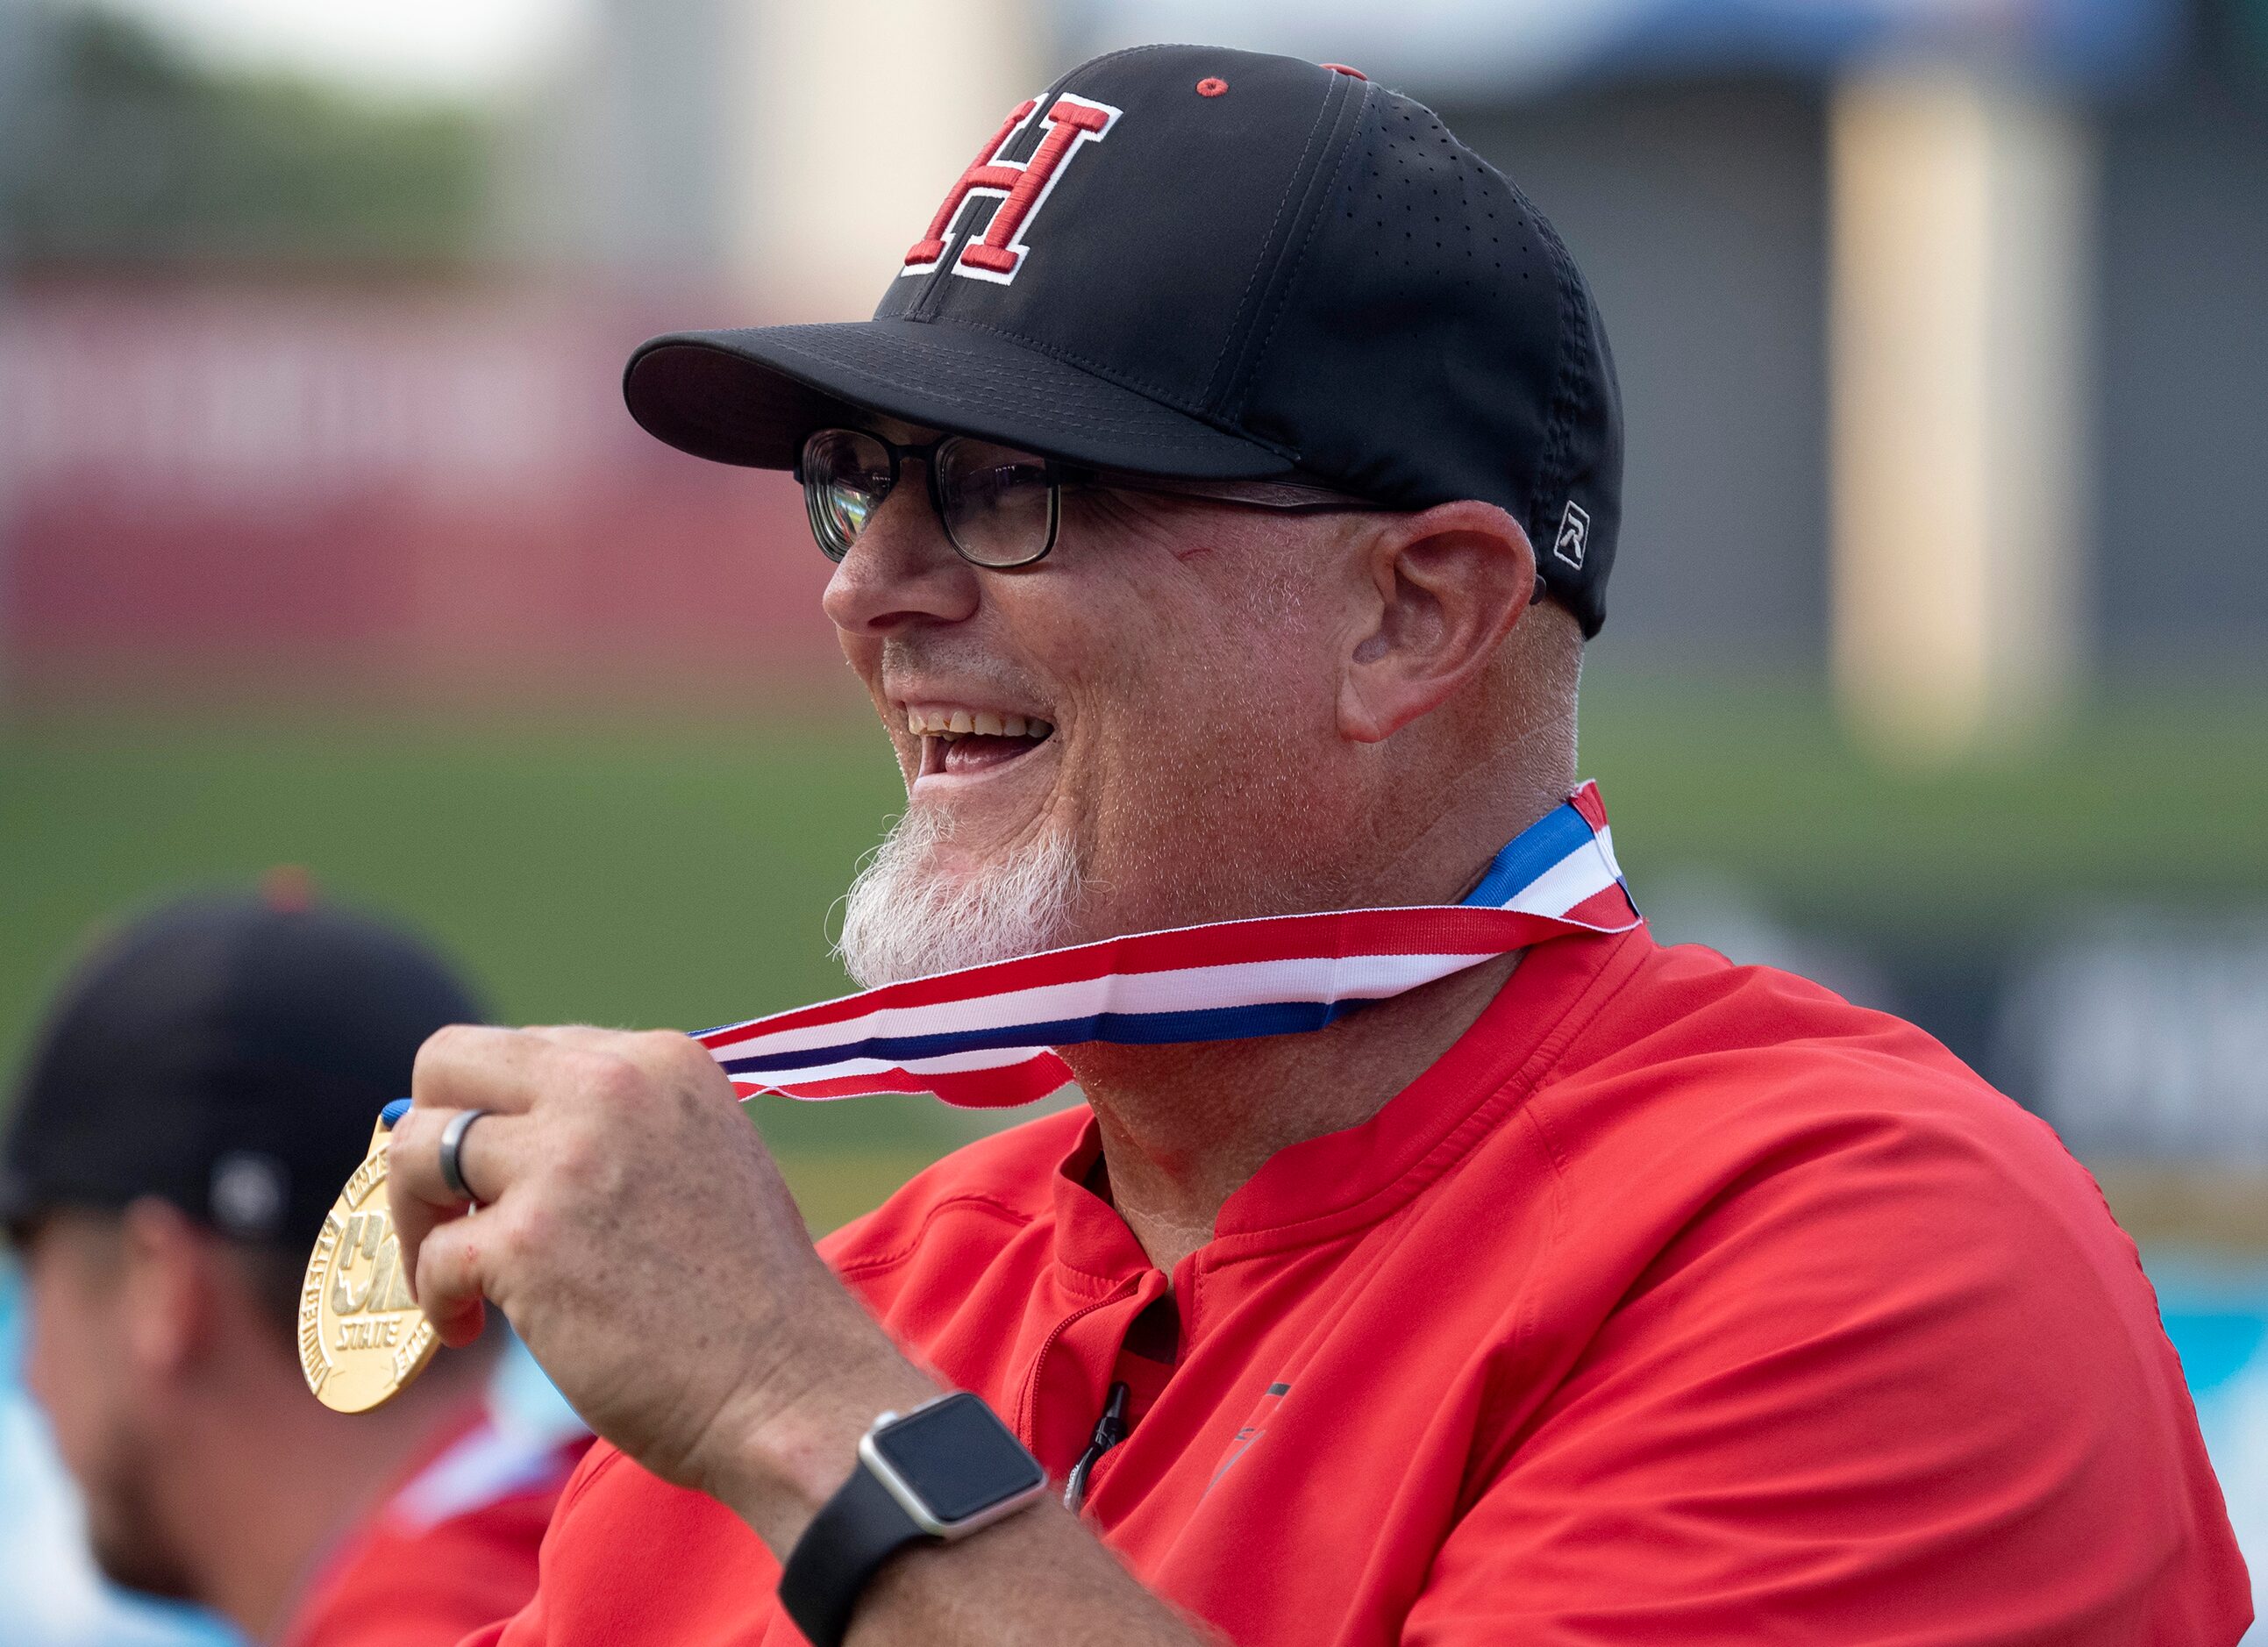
{"x": 981, "y": 1037}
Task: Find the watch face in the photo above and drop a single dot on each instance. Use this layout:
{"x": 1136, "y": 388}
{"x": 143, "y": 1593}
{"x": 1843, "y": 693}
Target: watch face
{"x": 957, "y": 1457}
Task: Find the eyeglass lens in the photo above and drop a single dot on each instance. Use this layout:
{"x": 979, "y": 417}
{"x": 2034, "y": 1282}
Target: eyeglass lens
{"x": 846, "y": 475}
{"x": 999, "y": 503}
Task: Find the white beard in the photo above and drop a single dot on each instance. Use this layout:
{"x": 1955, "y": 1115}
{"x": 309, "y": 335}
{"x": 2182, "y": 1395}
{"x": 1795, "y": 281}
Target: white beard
{"x": 903, "y": 919}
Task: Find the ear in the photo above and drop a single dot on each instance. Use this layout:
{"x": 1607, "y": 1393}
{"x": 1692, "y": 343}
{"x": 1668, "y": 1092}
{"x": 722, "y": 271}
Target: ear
{"x": 1446, "y": 586}
{"x": 168, "y": 1287}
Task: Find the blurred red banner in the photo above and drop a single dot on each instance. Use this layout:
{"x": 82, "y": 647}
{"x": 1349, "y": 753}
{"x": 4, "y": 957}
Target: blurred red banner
{"x": 426, "y": 493}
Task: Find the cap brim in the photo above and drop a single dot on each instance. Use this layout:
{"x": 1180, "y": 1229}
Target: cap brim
{"x": 752, "y": 396}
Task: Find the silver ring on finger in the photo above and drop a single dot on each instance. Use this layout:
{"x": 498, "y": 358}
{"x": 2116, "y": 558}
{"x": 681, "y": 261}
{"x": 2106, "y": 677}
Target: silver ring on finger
{"x": 453, "y": 1145}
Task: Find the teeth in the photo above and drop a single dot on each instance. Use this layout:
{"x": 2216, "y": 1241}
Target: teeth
{"x": 938, "y": 722}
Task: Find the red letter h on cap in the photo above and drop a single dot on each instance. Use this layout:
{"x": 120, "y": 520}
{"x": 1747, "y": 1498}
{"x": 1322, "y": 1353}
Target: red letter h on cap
{"x": 1022, "y": 190}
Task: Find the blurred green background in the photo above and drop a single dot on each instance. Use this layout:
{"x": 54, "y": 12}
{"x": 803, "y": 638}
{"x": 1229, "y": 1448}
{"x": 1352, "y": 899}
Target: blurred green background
{"x": 682, "y": 872}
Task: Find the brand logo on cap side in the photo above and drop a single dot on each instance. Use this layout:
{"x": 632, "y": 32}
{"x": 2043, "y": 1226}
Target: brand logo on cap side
{"x": 1574, "y": 535}
{"x": 1021, "y": 189}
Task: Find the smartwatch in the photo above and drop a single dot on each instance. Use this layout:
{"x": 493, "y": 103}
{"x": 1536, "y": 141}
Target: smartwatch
{"x": 934, "y": 1474}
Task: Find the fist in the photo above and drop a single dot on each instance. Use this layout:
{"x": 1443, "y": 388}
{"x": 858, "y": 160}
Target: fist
{"x": 634, "y": 1228}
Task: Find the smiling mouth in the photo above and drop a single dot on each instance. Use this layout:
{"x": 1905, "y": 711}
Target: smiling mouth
{"x": 957, "y": 740}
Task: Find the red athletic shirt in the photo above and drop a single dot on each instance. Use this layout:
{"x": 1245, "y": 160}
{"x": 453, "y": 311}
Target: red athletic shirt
{"x": 451, "y": 1549}
{"x": 1679, "y": 1301}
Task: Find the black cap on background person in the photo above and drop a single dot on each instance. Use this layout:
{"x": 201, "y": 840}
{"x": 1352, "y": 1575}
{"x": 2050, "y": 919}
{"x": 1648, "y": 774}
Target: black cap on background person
{"x": 204, "y": 1084}
{"x": 229, "y": 1054}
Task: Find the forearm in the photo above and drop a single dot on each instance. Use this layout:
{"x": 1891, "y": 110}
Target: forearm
{"x": 1038, "y": 1580}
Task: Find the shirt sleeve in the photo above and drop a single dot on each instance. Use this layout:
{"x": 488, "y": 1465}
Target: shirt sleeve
{"x": 525, "y": 1628}
{"x": 1887, "y": 1393}
{"x": 616, "y": 1528}
{"x": 428, "y": 1590}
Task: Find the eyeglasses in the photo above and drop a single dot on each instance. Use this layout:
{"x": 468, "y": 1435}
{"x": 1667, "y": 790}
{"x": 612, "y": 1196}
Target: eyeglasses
{"x": 1001, "y": 508}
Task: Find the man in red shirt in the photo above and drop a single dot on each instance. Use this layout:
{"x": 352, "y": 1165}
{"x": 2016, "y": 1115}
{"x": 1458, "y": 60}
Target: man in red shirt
{"x": 203, "y": 1088}
{"x": 1222, "y": 496}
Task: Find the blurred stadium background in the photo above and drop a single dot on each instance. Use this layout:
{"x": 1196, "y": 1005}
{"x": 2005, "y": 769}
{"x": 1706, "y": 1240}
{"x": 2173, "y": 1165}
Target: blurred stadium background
{"x": 1939, "y": 664}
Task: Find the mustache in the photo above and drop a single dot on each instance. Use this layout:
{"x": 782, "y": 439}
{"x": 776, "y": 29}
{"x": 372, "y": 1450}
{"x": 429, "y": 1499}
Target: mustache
{"x": 964, "y": 661}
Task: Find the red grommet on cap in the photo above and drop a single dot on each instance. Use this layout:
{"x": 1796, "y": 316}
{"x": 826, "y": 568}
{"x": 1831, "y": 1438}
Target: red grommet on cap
{"x": 1340, "y": 68}
{"x": 1211, "y": 86}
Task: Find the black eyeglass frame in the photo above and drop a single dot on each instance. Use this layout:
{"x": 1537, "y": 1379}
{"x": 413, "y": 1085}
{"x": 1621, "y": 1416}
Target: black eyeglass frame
{"x": 1287, "y": 496}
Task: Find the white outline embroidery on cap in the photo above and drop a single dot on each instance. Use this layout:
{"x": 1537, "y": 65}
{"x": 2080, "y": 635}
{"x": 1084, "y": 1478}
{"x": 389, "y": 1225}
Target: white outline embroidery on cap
{"x": 1574, "y": 537}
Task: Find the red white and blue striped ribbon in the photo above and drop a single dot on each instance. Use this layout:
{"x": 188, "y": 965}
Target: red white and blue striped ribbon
{"x": 981, "y": 1037}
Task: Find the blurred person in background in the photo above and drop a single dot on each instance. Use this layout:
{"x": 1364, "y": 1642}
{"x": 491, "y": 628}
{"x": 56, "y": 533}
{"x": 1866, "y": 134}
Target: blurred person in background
{"x": 201, "y": 1089}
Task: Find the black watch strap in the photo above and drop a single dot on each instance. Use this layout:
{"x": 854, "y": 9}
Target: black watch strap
{"x": 861, "y": 1528}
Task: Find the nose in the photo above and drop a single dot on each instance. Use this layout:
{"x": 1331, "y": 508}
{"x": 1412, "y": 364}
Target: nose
{"x": 900, "y": 571}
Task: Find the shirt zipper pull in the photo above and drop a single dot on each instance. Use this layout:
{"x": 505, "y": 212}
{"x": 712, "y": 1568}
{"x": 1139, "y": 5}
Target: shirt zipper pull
{"x": 1109, "y": 1431}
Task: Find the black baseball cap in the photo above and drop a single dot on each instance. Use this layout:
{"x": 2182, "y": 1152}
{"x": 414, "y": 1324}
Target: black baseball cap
{"x": 229, "y": 1054}
{"x": 1190, "y": 261}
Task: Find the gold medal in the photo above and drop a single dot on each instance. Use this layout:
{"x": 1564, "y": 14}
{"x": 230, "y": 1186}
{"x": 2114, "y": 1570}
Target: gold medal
{"x": 362, "y": 1337}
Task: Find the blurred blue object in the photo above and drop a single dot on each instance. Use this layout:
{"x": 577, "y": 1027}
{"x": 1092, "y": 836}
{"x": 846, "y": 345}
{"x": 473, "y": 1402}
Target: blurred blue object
{"x": 2216, "y": 1311}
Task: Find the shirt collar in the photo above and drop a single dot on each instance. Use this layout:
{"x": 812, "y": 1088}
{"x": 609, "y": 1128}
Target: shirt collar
{"x": 1321, "y": 1187}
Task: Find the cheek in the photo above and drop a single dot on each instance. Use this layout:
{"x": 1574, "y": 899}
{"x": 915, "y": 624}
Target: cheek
{"x": 55, "y": 1369}
{"x": 1247, "y": 688}
{"x": 66, "y": 1365}
{"x": 1194, "y": 696}
{"x": 1207, "y": 719}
